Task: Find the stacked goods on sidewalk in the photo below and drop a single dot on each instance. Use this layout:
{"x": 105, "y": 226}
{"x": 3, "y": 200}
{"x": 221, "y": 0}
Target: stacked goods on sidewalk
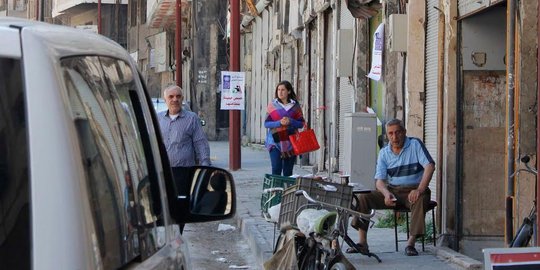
{"x": 328, "y": 192}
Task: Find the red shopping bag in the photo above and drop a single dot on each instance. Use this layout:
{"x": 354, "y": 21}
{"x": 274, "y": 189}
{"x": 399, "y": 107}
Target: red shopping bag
{"x": 304, "y": 141}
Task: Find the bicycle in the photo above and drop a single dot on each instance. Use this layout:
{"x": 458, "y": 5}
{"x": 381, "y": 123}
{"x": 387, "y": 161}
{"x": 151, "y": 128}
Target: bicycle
{"x": 528, "y": 227}
{"x": 323, "y": 250}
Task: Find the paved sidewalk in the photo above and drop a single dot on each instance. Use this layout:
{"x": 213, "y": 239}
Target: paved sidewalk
{"x": 260, "y": 234}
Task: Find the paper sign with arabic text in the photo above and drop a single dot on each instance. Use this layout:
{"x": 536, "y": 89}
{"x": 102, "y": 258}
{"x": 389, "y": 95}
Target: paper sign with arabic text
{"x": 233, "y": 90}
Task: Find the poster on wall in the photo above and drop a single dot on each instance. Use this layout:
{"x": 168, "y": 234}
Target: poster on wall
{"x": 376, "y": 54}
{"x": 232, "y": 90}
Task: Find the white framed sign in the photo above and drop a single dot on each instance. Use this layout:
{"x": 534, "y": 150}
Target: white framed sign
{"x": 233, "y": 85}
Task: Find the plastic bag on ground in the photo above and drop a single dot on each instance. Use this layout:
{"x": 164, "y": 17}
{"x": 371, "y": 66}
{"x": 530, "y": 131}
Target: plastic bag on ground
{"x": 274, "y": 212}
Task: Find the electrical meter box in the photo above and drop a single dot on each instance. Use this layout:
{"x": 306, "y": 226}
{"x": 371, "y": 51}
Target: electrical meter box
{"x": 360, "y": 151}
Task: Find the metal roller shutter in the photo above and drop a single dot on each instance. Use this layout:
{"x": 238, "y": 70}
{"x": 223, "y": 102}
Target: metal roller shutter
{"x": 431, "y": 80}
{"x": 346, "y": 89}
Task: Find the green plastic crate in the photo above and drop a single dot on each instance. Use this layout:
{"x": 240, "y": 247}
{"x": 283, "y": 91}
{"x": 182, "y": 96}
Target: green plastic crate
{"x": 270, "y": 199}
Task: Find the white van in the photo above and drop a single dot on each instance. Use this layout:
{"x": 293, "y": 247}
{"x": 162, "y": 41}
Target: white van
{"x": 84, "y": 178}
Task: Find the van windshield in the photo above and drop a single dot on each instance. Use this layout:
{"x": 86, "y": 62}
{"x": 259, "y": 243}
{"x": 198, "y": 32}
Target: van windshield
{"x": 14, "y": 176}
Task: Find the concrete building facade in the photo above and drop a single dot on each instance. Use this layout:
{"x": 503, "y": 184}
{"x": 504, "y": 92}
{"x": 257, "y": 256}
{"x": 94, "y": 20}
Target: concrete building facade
{"x": 445, "y": 73}
{"x": 461, "y": 74}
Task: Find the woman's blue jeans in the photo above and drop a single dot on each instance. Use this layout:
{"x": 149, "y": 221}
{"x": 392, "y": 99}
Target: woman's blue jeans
{"x": 279, "y": 164}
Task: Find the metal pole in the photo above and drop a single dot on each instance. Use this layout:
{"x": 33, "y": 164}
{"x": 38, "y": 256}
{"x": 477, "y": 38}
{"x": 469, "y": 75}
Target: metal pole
{"x": 234, "y": 115}
{"x": 178, "y": 43}
{"x": 37, "y": 9}
{"x": 510, "y": 147}
{"x": 99, "y": 17}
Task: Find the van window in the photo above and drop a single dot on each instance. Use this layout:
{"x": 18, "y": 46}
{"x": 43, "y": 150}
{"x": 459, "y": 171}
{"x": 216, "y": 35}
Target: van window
{"x": 121, "y": 172}
{"x": 14, "y": 177}
{"x": 108, "y": 177}
{"x": 145, "y": 206}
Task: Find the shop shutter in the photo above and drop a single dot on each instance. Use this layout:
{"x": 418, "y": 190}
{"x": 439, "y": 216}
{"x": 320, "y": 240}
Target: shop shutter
{"x": 346, "y": 89}
{"x": 431, "y": 86}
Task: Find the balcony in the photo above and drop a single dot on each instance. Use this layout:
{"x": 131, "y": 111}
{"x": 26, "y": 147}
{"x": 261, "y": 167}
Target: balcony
{"x": 161, "y": 13}
{"x": 61, "y": 6}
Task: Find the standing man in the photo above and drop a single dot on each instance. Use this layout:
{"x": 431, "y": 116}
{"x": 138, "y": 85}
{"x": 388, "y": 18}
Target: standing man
{"x": 404, "y": 170}
{"x": 184, "y": 139}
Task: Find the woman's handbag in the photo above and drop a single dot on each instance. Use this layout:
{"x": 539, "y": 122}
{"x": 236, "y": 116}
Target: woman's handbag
{"x": 304, "y": 141}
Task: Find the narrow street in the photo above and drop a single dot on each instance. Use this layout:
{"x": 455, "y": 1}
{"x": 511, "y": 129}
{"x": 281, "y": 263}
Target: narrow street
{"x": 213, "y": 249}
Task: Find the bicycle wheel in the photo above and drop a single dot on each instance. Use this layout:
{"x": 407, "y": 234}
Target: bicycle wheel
{"x": 308, "y": 262}
{"x": 524, "y": 234}
{"x": 309, "y": 255}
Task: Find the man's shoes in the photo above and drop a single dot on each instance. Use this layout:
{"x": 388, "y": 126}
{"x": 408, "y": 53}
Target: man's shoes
{"x": 411, "y": 251}
{"x": 360, "y": 248}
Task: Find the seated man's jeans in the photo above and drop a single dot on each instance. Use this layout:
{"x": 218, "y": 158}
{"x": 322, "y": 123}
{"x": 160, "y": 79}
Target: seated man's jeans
{"x": 375, "y": 200}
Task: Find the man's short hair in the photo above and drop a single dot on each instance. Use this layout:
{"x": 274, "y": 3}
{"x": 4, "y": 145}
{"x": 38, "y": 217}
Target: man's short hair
{"x": 395, "y": 122}
{"x": 172, "y": 86}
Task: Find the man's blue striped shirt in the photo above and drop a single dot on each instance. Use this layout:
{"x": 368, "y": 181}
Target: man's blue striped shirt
{"x": 405, "y": 168}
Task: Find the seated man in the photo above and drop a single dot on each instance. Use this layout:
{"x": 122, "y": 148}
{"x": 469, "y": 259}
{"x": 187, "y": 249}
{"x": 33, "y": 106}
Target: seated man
{"x": 404, "y": 169}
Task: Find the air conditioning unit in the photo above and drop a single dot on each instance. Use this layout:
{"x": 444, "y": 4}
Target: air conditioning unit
{"x": 398, "y": 32}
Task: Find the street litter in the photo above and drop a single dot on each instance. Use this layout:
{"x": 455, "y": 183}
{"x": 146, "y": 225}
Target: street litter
{"x": 274, "y": 212}
{"x": 238, "y": 267}
{"x": 223, "y": 260}
{"x": 225, "y": 227}
{"x": 214, "y": 252}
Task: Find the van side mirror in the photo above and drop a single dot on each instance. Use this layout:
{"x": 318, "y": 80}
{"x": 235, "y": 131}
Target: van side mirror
{"x": 212, "y": 192}
{"x": 212, "y": 196}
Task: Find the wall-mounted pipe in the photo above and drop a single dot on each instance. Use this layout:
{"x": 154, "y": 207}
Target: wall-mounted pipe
{"x": 537, "y": 130}
{"x": 458, "y": 204}
{"x": 510, "y": 134}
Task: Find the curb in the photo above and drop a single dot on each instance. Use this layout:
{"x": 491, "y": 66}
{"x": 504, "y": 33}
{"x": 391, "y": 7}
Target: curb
{"x": 256, "y": 240}
{"x": 456, "y": 258}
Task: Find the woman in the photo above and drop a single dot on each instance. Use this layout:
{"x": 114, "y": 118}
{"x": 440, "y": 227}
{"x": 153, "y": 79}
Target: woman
{"x": 284, "y": 117}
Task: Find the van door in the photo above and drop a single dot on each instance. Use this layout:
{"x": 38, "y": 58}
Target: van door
{"x": 123, "y": 179}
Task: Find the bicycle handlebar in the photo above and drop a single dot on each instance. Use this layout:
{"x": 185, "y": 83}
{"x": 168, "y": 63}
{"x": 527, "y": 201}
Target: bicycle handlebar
{"x": 349, "y": 211}
{"x": 268, "y": 190}
{"x": 525, "y": 159}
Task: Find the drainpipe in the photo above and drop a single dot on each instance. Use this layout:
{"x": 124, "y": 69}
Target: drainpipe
{"x": 537, "y": 131}
{"x": 458, "y": 205}
{"x": 510, "y": 147}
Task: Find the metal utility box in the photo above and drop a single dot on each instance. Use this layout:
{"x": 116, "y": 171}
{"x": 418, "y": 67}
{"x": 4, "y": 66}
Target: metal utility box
{"x": 360, "y": 148}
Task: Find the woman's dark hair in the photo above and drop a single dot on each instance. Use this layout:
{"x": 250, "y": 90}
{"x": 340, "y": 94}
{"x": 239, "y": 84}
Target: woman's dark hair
{"x": 288, "y": 85}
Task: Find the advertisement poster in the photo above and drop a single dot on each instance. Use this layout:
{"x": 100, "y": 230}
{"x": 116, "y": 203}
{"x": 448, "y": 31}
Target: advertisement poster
{"x": 376, "y": 55}
{"x": 232, "y": 90}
